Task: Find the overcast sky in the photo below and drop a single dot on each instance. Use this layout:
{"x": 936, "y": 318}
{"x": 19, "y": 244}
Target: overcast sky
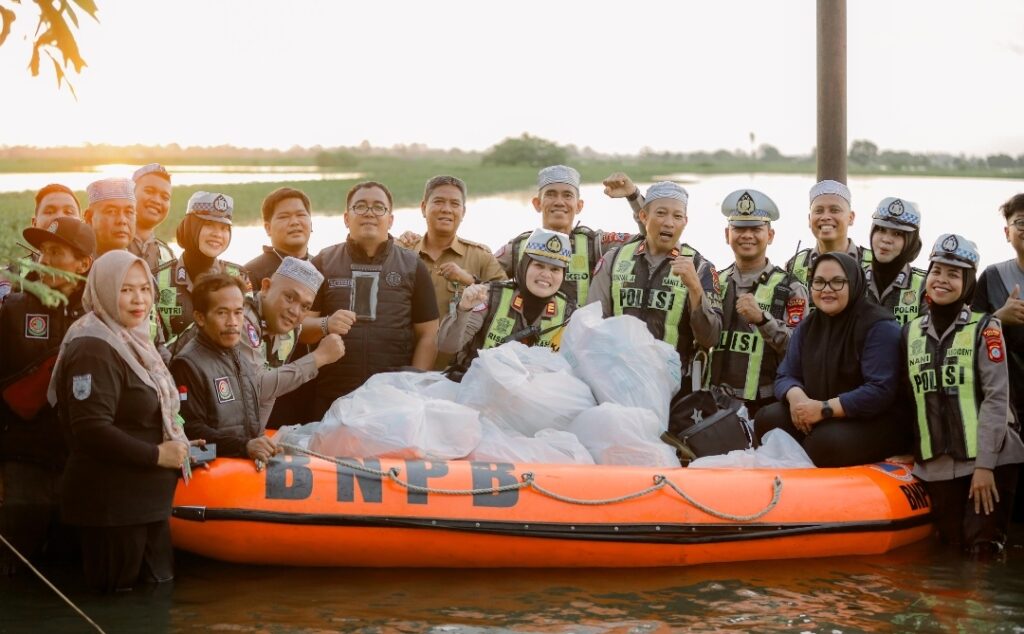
{"x": 617, "y": 76}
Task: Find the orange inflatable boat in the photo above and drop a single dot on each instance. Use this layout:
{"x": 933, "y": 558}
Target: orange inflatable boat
{"x": 311, "y": 511}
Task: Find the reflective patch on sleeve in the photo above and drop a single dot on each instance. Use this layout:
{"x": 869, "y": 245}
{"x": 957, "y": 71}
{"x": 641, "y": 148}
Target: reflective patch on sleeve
{"x": 480, "y": 308}
{"x": 994, "y": 344}
{"x": 795, "y": 310}
{"x": 614, "y": 236}
{"x": 500, "y": 252}
{"x": 600, "y": 263}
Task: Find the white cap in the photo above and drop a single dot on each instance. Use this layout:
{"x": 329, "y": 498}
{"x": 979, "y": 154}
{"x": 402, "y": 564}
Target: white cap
{"x": 549, "y": 246}
{"x": 749, "y": 208}
{"x": 211, "y": 206}
{"x": 152, "y": 168}
{"x": 301, "y": 271}
{"x": 821, "y": 188}
{"x": 110, "y": 189}
{"x": 558, "y": 174}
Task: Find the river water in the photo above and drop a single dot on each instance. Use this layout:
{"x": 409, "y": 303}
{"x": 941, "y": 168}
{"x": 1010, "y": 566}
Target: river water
{"x": 917, "y": 588}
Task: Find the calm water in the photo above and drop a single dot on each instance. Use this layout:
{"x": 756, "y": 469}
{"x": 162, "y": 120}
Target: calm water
{"x": 918, "y": 588}
{"x": 968, "y": 206}
{"x": 183, "y": 175}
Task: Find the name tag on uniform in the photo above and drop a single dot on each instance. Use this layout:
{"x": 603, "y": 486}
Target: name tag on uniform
{"x": 339, "y": 282}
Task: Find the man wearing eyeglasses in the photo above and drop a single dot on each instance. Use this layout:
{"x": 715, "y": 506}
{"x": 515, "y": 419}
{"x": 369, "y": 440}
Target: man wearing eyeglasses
{"x": 377, "y": 296}
{"x": 830, "y": 219}
{"x": 999, "y": 292}
{"x": 895, "y": 243}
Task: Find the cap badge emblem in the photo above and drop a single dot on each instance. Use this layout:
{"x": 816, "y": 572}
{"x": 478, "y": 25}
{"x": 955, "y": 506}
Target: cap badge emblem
{"x": 950, "y": 244}
{"x": 745, "y": 205}
{"x": 896, "y": 208}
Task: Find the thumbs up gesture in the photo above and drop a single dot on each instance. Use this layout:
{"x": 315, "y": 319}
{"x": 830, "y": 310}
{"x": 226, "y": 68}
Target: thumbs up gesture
{"x": 1012, "y": 312}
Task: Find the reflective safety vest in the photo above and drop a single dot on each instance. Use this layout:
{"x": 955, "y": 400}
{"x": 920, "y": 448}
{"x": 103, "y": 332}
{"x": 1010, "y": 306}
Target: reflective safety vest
{"x": 740, "y": 360}
{"x": 507, "y": 318}
{"x": 657, "y": 299}
{"x": 800, "y": 265}
{"x": 904, "y": 302}
{"x": 943, "y": 378}
{"x": 174, "y": 296}
{"x": 256, "y": 337}
{"x": 586, "y": 251}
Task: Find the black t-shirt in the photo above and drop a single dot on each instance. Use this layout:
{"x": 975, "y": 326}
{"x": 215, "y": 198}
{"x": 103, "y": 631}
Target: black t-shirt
{"x": 113, "y": 425}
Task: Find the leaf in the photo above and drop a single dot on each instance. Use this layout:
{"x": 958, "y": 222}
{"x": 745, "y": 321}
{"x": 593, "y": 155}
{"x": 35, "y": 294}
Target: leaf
{"x": 7, "y": 17}
{"x": 66, "y": 8}
{"x": 89, "y": 6}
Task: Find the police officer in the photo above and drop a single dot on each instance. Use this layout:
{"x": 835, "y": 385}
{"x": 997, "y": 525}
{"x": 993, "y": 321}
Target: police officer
{"x": 830, "y": 219}
{"x": 378, "y": 296}
{"x": 558, "y": 201}
{"x": 152, "y": 204}
{"x": 967, "y": 443}
{"x": 668, "y": 285}
{"x": 895, "y": 244}
{"x": 530, "y": 309}
{"x": 203, "y": 234}
{"x": 273, "y": 320}
{"x": 761, "y": 302}
{"x": 32, "y": 450}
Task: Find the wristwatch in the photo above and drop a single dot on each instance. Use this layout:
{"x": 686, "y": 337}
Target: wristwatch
{"x": 826, "y": 410}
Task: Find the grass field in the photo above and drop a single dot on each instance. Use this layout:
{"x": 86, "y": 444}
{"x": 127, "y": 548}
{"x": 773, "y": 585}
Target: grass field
{"x": 404, "y": 176}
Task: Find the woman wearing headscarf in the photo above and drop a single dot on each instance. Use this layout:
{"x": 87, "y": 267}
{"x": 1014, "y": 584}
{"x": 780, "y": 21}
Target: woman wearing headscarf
{"x": 967, "y": 446}
{"x": 529, "y": 309}
{"x": 203, "y": 235}
{"x": 895, "y": 244}
{"x": 838, "y": 382}
{"x": 118, "y": 408}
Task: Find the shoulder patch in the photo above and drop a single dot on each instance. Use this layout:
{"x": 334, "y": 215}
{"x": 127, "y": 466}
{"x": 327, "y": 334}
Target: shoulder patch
{"x": 81, "y": 386}
{"x": 252, "y": 335}
{"x": 795, "y": 310}
{"x": 478, "y": 245}
{"x": 994, "y": 344}
{"x": 615, "y": 236}
{"x": 501, "y": 251}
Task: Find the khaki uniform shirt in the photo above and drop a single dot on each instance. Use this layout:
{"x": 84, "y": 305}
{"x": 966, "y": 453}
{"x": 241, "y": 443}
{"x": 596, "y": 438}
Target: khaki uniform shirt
{"x": 154, "y": 251}
{"x": 776, "y": 332}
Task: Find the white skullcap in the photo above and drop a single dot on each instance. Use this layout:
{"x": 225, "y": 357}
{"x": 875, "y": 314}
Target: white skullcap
{"x": 110, "y": 189}
{"x": 558, "y": 174}
{"x": 824, "y": 187}
{"x": 666, "y": 189}
{"x": 302, "y": 272}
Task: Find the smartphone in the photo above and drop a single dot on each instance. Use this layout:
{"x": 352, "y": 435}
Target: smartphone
{"x": 203, "y": 455}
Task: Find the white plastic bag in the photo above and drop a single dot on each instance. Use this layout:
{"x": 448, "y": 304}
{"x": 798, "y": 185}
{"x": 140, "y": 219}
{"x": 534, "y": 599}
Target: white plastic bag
{"x": 412, "y": 382}
{"x": 385, "y": 421}
{"x": 548, "y": 446}
{"x": 621, "y": 361}
{"x": 524, "y": 389}
{"x": 778, "y": 450}
{"x": 616, "y": 434}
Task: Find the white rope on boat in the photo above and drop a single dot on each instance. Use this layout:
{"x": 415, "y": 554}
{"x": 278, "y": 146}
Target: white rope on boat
{"x": 529, "y": 482}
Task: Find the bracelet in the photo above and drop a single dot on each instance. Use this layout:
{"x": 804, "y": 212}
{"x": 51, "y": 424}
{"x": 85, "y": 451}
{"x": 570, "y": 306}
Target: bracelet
{"x": 323, "y": 325}
{"x": 634, "y": 195}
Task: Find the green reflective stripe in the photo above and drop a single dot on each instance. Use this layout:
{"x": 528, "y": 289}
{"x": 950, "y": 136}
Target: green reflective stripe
{"x": 800, "y": 267}
{"x": 866, "y": 258}
{"x": 167, "y": 299}
{"x": 579, "y": 267}
{"x": 285, "y": 345}
{"x": 953, "y": 374}
{"x": 504, "y": 321}
{"x": 624, "y": 254}
{"x": 908, "y": 307}
{"x": 723, "y": 281}
{"x": 501, "y": 325}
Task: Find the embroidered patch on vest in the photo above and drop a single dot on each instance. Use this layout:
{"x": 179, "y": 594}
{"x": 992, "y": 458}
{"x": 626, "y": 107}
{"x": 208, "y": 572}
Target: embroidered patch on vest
{"x": 168, "y": 296}
{"x": 393, "y": 278}
{"x": 222, "y": 386}
{"x": 504, "y": 324}
{"x": 910, "y": 297}
{"x": 550, "y": 309}
{"x": 81, "y": 386}
{"x": 994, "y": 344}
{"x": 37, "y": 326}
{"x": 795, "y": 310}
{"x": 254, "y": 337}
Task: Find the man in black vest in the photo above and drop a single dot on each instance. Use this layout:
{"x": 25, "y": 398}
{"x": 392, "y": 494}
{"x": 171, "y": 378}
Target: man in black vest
{"x": 376, "y": 295}
{"x": 218, "y": 384}
{"x": 32, "y": 449}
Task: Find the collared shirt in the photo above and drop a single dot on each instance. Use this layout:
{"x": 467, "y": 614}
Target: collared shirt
{"x": 154, "y": 251}
{"x": 473, "y": 257}
{"x": 776, "y": 332}
{"x": 265, "y": 265}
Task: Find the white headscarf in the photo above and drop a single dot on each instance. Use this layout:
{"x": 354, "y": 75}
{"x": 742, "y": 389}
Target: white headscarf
{"x": 100, "y": 298}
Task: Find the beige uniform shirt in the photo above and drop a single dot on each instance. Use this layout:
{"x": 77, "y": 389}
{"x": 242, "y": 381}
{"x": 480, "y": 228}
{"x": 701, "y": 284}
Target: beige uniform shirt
{"x": 776, "y": 332}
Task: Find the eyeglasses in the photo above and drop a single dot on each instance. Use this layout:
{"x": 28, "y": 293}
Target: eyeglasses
{"x": 836, "y": 283}
{"x": 361, "y": 209}
{"x": 1018, "y": 224}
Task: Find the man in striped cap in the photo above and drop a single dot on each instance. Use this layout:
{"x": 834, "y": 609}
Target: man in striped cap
{"x": 830, "y": 219}
{"x": 152, "y": 204}
{"x": 111, "y": 213}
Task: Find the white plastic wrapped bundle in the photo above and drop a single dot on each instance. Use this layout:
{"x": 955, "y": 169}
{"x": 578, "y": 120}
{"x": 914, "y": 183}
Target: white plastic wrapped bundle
{"x": 621, "y": 361}
{"x": 384, "y": 421}
{"x": 524, "y": 389}
{"x": 778, "y": 450}
{"x": 616, "y": 434}
{"x": 548, "y": 446}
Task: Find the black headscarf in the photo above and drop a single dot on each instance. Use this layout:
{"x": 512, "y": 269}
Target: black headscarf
{"x": 884, "y": 273}
{"x": 532, "y": 305}
{"x": 943, "y": 316}
{"x": 832, "y": 344}
{"x": 196, "y": 262}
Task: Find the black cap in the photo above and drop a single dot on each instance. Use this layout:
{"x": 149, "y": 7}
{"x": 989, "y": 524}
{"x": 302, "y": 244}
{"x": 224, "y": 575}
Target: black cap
{"x": 66, "y": 230}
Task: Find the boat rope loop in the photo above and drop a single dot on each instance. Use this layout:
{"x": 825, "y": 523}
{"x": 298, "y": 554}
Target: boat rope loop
{"x": 529, "y": 482}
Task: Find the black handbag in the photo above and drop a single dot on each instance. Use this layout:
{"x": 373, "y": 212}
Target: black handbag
{"x": 706, "y": 423}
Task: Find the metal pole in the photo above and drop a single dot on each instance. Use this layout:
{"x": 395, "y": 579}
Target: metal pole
{"x": 831, "y": 22}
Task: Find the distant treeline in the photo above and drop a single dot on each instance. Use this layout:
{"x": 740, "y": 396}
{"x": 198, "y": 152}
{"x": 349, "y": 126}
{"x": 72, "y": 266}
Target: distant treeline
{"x": 529, "y": 150}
